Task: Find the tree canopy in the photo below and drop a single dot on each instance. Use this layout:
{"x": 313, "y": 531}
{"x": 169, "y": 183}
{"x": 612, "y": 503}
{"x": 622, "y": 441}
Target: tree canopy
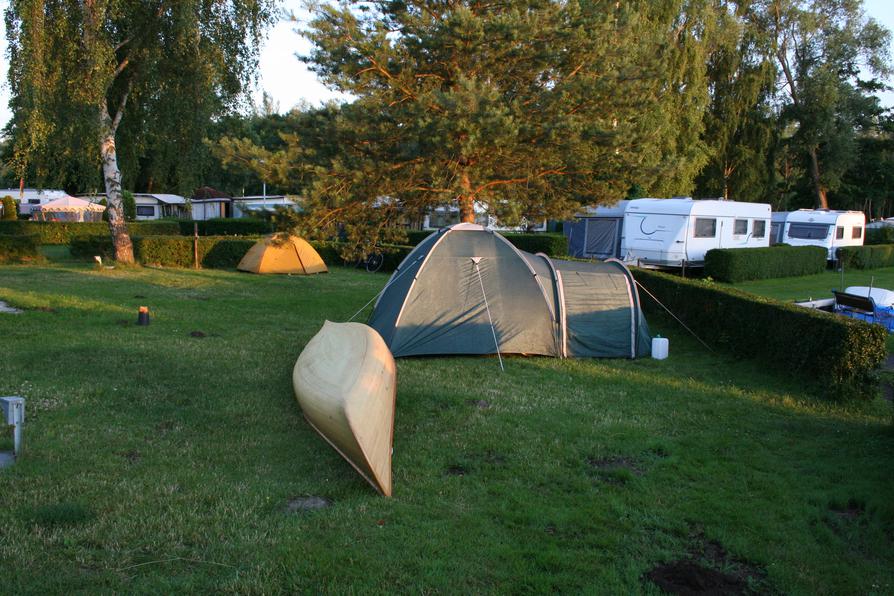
{"x": 95, "y": 82}
{"x": 526, "y": 109}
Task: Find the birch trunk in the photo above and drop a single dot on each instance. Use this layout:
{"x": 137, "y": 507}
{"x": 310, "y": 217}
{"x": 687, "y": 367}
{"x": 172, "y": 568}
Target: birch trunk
{"x": 112, "y": 176}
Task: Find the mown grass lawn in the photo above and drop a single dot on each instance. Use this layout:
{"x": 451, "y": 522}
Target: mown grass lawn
{"x": 820, "y": 286}
{"x": 161, "y": 460}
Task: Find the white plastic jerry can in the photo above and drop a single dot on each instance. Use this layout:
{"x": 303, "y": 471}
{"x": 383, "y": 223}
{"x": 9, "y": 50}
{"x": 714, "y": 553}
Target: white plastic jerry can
{"x": 660, "y": 347}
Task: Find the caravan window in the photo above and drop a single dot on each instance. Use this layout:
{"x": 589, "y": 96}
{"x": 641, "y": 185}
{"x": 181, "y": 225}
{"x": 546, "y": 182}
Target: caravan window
{"x": 839, "y": 232}
{"x": 705, "y": 228}
{"x": 857, "y": 233}
{"x": 740, "y": 227}
{"x": 803, "y": 231}
{"x": 759, "y": 228}
{"x": 145, "y": 210}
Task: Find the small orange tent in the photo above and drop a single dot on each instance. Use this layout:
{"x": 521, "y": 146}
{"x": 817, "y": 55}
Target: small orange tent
{"x": 292, "y": 255}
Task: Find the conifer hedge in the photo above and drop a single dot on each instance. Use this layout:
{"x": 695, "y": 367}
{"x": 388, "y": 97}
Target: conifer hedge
{"x": 836, "y": 355}
{"x": 742, "y": 264}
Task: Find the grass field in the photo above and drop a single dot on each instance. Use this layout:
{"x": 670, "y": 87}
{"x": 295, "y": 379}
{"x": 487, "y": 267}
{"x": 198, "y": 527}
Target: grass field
{"x": 819, "y": 286}
{"x": 161, "y": 459}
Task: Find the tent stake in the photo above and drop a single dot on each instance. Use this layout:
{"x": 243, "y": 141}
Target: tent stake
{"x": 487, "y": 308}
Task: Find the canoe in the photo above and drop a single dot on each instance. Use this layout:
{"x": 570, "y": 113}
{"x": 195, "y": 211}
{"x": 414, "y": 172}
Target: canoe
{"x": 346, "y": 382}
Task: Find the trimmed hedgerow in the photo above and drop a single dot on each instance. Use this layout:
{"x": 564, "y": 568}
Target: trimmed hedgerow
{"x": 240, "y": 226}
{"x": 62, "y": 232}
{"x": 215, "y": 252}
{"x": 866, "y": 257}
{"x": 331, "y": 253}
{"x": 17, "y": 248}
{"x": 837, "y": 355}
{"x": 552, "y": 245}
{"x": 87, "y": 247}
{"x": 741, "y": 264}
{"x": 883, "y": 235}
{"x": 414, "y": 237}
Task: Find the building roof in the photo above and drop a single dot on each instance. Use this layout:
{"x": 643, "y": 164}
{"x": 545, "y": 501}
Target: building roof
{"x": 205, "y": 193}
{"x": 168, "y": 199}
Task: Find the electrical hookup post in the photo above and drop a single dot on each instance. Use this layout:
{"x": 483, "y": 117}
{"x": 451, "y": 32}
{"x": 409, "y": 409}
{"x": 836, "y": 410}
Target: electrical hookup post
{"x": 195, "y": 245}
{"x": 12, "y": 414}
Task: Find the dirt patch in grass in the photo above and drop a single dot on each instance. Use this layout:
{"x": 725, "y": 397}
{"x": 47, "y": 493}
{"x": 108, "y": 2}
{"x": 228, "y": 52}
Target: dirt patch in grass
{"x": 307, "y": 503}
{"x": 849, "y": 511}
{"x": 709, "y": 569}
{"x": 616, "y": 470}
{"x": 197, "y": 334}
{"x": 689, "y": 578}
{"x": 133, "y": 456}
{"x": 481, "y": 404}
{"x": 456, "y": 470}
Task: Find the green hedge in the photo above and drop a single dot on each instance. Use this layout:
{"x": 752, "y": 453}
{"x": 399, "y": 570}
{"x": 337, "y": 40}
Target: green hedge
{"x": 16, "y": 248}
{"x": 866, "y": 257}
{"x": 58, "y": 232}
{"x": 241, "y": 226}
{"x": 215, "y": 252}
{"x": 883, "y": 235}
{"x": 741, "y": 264}
{"x": 553, "y": 245}
{"x": 331, "y": 253}
{"x": 835, "y": 354}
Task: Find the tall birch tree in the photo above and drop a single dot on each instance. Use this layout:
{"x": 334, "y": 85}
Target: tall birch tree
{"x": 83, "y": 70}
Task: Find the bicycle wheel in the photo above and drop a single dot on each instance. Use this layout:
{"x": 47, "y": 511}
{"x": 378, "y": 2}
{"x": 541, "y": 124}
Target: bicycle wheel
{"x": 374, "y": 262}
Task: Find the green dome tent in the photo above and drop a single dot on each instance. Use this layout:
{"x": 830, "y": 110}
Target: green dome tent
{"x": 467, "y": 290}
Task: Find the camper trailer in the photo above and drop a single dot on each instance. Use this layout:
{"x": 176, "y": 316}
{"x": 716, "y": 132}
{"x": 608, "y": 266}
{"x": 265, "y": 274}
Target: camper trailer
{"x": 596, "y": 232}
{"x": 821, "y": 227}
{"x": 678, "y": 232}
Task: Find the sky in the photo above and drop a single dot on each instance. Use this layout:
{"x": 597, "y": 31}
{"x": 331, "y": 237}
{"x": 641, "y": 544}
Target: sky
{"x": 289, "y": 83}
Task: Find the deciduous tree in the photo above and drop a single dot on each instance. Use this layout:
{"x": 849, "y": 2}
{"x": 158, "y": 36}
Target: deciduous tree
{"x": 150, "y": 74}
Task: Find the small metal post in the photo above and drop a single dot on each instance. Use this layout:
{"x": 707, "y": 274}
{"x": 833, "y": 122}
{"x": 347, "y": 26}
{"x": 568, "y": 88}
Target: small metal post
{"x": 195, "y": 245}
{"x": 13, "y": 409}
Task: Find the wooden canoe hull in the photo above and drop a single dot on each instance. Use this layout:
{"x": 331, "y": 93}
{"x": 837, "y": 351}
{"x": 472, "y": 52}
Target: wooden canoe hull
{"x": 345, "y": 381}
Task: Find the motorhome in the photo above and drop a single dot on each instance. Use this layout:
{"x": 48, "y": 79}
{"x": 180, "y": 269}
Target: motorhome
{"x": 820, "y": 227}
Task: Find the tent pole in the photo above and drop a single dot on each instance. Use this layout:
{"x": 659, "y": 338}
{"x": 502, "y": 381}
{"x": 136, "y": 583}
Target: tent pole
{"x": 487, "y": 308}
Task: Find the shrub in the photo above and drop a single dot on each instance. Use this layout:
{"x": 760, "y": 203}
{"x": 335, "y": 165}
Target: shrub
{"x": 128, "y": 205}
{"x": 866, "y": 257}
{"x": 14, "y": 249}
{"x": 59, "y": 232}
{"x": 414, "y": 237}
{"x": 835, "y": 354}
{"x": 242, "y": 226}
{"x": 741, "y": 264}
{"x": 10, "y": 211}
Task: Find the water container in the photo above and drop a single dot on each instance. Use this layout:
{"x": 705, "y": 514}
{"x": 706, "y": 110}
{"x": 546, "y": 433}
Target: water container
{"x": 660, "y": 346}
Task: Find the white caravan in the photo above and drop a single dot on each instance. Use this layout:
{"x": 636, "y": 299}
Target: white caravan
{"x": 821, "y": 227}
{"x": 32, "y": 197}
{"x": 678, "y": 232}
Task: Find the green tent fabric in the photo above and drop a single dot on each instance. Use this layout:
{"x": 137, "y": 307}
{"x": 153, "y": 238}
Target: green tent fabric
{"x": 467, "y": 290}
